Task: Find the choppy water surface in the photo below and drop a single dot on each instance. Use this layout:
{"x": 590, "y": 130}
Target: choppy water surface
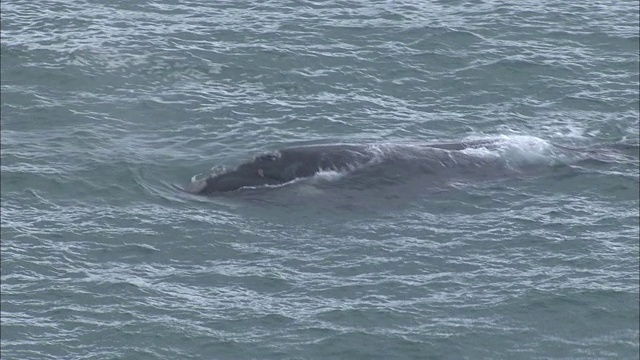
{"x": 514, "y": 250}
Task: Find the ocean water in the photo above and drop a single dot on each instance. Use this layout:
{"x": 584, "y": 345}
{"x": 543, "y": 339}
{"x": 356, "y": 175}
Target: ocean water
{"x": 516, "y": 249}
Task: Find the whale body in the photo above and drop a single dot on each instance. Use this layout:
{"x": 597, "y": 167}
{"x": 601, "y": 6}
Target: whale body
{"x": 288, "y": 164}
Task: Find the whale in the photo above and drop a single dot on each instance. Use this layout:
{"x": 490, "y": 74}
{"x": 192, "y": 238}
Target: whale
{"x": 291, "y": 163}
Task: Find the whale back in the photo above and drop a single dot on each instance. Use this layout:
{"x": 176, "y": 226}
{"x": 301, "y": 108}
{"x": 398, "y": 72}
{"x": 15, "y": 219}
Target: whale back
{"x": 439, "y": 160}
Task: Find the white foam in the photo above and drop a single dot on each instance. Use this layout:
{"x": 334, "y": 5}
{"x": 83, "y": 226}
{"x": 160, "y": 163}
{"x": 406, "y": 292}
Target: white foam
{"x": 330, "y": 175}
{"x": 194, "y": 178}
{"x": 518, "y": 149}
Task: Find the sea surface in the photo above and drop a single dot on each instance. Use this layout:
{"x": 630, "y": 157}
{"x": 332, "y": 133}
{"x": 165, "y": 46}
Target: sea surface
{"x": 526, "y": 247}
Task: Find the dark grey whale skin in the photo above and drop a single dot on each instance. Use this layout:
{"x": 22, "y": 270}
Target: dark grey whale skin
{"x": 283, "y": 166}
{"x": 298, "y": 162}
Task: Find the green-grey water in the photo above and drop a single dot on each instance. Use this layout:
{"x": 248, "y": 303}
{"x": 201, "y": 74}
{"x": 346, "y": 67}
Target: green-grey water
{"x": 514, "y": 250}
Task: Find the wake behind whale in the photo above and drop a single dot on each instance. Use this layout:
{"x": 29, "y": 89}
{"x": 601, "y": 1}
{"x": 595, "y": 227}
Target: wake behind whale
{"x": 443, "y": 162}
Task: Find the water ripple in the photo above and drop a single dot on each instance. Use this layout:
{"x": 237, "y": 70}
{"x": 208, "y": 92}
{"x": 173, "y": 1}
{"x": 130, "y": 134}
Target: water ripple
{"x": 108, "y": 108}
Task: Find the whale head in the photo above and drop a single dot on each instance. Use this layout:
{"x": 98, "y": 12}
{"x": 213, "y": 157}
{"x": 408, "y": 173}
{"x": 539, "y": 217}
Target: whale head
{"x": 282, "y": 166}
{"x": 265, "y": 169}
